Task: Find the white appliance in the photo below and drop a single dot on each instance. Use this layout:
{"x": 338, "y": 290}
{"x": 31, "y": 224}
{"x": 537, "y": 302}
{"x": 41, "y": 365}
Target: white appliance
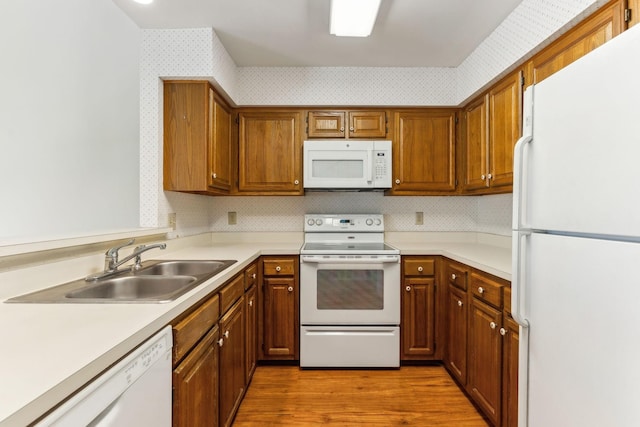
{"x": 349, "y": 293}
{"x": 134, "y": 392}
{"x": 351, "y": 165}
{"x": 576, "y": 242}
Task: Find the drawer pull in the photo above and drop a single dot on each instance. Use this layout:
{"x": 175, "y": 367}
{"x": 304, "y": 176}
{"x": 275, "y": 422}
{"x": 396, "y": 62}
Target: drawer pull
{"x": 459, "y": 303}
{"x": 253, "y": 276}
{"x": 492, "y": 325}
{"x": 290, "y": 288}
{"x": 250, "y": 303}
{"x": 420, "y": 269}
{"x": 481, "y": 290}
{"x": 453, "y": 276}
{"x": 503, "y": 331}
{"x": 220, "y": 342}
{"x": 408, "y": 288}
{"x": 226, "y": 334}
{"x": 278, "y": 268}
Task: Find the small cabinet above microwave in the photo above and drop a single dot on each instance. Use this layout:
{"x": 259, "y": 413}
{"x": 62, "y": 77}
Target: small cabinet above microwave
{"x": 347, "y": 124}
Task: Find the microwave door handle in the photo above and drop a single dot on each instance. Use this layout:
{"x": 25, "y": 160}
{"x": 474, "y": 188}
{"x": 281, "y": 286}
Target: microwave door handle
{"x": 369, "y": 170}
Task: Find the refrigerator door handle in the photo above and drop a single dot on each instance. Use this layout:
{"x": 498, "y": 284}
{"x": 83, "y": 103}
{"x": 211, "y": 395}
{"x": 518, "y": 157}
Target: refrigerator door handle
{"x": 518, "y": 285}
{"x": 519, "y": 172}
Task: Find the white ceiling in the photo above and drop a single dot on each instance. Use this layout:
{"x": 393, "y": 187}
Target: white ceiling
{"x": 408, "y": 33}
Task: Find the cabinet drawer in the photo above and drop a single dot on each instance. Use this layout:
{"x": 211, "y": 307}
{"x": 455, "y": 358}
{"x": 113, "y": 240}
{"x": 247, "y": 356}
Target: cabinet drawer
{"x": 188, "y": 331}
{"x": 457, "y": 276}
{"x": 279, "y": 267}
{"x": 231, "y": 292}
{"x": 419, "y": 266}
{"x": 250, "y": 276}
{"x": 487, "y": 289}
{"x": 507, "y": 299}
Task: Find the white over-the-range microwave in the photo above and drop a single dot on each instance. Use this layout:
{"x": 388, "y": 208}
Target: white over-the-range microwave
{"x": 347, "y": 165}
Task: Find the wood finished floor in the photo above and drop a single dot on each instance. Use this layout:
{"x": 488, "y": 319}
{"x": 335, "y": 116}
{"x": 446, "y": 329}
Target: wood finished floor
{"x": 410, "y": 396}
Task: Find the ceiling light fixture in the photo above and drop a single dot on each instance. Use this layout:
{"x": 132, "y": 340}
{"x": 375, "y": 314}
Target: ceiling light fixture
{"x": 143, "y": 1}
{"x": 353, "y": 18}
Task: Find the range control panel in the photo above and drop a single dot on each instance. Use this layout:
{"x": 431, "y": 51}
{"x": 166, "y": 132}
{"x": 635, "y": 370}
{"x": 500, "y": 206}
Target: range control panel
{"x": 336, "y": 223}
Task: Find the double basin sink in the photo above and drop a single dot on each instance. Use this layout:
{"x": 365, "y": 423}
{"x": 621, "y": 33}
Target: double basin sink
{"x": 156, "y": 282}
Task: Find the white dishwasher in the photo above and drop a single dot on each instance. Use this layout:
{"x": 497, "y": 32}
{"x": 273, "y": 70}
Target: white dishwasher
{"x": 134, "y": 392}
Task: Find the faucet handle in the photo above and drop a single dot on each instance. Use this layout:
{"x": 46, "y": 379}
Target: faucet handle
{"x": 113, "y": 252}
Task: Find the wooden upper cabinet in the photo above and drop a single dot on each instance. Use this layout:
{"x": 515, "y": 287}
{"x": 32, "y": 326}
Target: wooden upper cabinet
{"x": 476, "y": 146}
{"x": 632, "y": 14}
{"x": 347, "y": 124}
{"x": 594, "y": 31}
{"x": 270, "y": 159}
{"x": 197, "y": 139}
{"x": 505, "y": 118}
{"x": 424, "y": 152}
{"x": 493, "y": 125}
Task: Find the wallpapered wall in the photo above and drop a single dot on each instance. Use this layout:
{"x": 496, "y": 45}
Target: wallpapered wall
{"x": 198, "y": 53}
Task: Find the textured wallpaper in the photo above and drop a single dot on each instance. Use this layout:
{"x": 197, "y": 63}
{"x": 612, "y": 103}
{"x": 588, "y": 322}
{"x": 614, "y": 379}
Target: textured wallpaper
{"x": 198, "y": 53}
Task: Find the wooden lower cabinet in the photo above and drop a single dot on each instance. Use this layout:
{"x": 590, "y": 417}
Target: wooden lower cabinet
{"x": 510, "y": 332}
{"x": 251, "y": 333}
{"x": 232, "y": 362}
{"x": 418, "y": 318}
{"x": 195, "y": 385}
{"x": 456, "y": 351}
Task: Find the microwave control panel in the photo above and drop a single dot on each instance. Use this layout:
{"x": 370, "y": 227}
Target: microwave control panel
{"x": 380, "y": 165}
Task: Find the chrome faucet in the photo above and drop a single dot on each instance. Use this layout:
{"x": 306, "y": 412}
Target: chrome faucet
{"x": 111, "y": 261}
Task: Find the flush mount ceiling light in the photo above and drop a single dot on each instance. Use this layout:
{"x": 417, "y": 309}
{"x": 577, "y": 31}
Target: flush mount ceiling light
{"x": 143, "y": 1}
{"x": 353, "y": 18}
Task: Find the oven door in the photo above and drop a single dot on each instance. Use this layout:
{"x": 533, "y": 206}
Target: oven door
{"x": 350, "y": 291}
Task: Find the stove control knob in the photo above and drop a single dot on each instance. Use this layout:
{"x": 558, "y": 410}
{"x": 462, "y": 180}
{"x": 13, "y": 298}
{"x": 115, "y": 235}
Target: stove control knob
{"x": 318, "y": 221}
{"x": 369, "y": 221}
{"x": 310, "y": 221}
{"x": 378, "y": 222}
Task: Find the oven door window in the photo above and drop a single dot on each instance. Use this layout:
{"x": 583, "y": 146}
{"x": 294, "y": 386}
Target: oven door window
{"x": 350, "y": 289}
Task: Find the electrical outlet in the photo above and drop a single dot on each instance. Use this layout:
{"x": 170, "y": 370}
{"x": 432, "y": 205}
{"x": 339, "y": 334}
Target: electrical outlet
{"x": 172, "y": 220}
{"x": 232, "y": 218}
{"x": 419, "y": 218}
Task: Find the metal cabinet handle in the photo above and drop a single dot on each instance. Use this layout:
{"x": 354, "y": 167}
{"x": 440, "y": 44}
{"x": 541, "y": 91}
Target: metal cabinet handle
{"x": 492, "y": 325}
{"x": 278, "y": 268}
{"x": 408, "y": 288}
{"x": 459, "y": 303}
{"x": 503, "y": 331}
{"x": 397, "y": 181}
{"x": 290, "y": 288}
{"x": 226, "y": 334}
{"x": 420, "y": 269}
{"x": 453, "y": 276}
{"x": 220, "y": 342}
{"x": 481, "y": 290}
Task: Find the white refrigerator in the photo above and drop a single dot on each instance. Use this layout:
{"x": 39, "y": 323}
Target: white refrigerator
{"x": 576, "y": 242}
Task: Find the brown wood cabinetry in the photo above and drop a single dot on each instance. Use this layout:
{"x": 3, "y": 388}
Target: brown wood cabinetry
{"x": 594, "y": 31}
{"x": 418, "y": 308}
{"x": 270, "y": 152}
{"x": 198, "y": 139}
{"x": 251, "y": 322}
{"x": 455, "y": 357}
{"x": 195, "y": 361}
{"x": 632, "y": 13}
{"x": 424, "y": 152}
{"x": 347, "y": 124}
{"x": 232, "y": 362}
{"x": 280, "y": 324}
{"x": 492, "y": 127}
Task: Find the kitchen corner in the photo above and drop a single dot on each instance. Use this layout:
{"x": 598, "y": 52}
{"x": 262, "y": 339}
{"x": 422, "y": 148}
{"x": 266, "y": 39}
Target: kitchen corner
{"x": 55, "y": 349}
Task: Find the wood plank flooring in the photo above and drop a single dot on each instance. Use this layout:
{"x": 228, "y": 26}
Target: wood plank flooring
{"x": 410, "y": 396}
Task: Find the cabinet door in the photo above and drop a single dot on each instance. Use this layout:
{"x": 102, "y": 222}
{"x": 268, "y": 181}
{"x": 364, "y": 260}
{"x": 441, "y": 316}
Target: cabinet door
{"x": 456, "y": 352}
{"x": 281, "y": 324}
{"x": 195, "y": 385}
{"x": 424, "y": 152}
{"x": 367, "y": 124}
{"x": 186, "y": 135}
{"x": 418, "y": 318}
{"x": 476, "y": 160}
{"x": 270, "y": 159}
{"x": 505, "y": 111}
{"x": 220, "y": 140}
{"x": 634, "y": 11}
{"x": 326, "y": 124}
{"x": 232, "y": 362}
{"x": 596, "y": 30}
{"x": 251, "y": 317}
{"x": 485, "y": 359}
{"x": 510, "y": 342}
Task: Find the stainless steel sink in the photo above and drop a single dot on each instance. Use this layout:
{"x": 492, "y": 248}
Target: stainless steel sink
{"x": 155, "y": 282}
{"x": 185, "y": 268}
{"x": 135, "y": 288}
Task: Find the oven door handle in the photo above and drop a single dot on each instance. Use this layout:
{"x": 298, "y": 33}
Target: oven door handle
{"x": 319, "y": 259}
